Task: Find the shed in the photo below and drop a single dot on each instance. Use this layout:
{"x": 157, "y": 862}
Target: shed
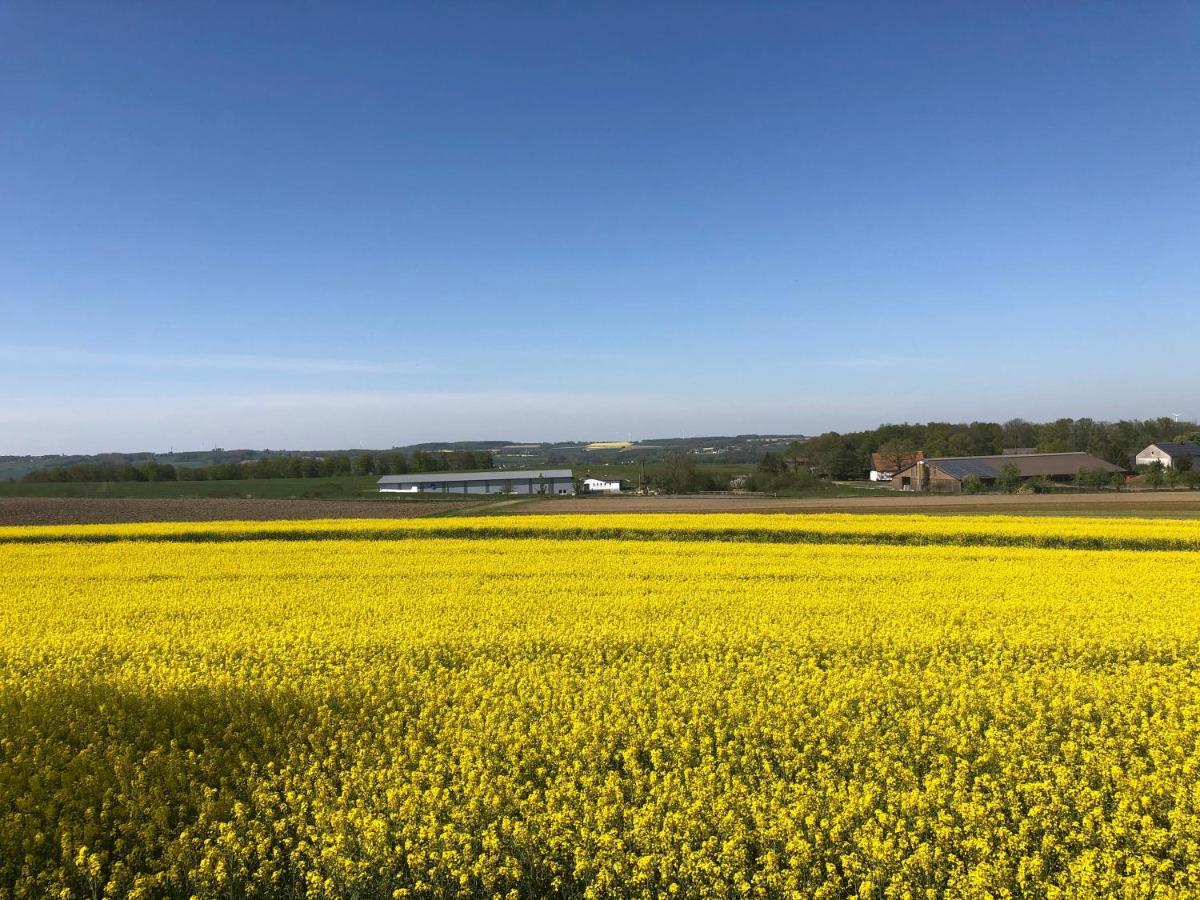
{"x": 594, "y": 485}
{"x": 495, "y": 481}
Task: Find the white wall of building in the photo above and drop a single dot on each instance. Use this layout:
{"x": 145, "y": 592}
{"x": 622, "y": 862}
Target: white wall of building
{"x": 599, "y": 486}
{"x": 1151, "y": 455}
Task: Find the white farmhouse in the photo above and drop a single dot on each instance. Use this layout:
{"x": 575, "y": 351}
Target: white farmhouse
{"x": 1169, "y": 453}
{"x": 593, "y": 485}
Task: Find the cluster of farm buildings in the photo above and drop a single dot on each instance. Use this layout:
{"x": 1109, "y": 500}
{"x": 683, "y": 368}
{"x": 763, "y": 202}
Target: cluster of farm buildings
{"x": 912, "y": 472}
{"x": 948, "y": 474}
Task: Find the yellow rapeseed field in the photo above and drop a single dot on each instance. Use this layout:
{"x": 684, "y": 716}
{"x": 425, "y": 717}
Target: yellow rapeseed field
{"x": 749, "y": 706}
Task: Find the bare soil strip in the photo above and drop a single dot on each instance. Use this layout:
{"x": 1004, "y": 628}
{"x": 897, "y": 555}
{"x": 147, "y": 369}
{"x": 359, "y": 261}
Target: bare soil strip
{"x": 104, "y": 511}
{"x": 1162, "y": 503}
{"x": 96, "y": 510}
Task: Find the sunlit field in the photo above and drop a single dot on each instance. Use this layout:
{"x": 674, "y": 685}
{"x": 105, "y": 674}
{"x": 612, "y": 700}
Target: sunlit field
{"x": 602, "y": 706}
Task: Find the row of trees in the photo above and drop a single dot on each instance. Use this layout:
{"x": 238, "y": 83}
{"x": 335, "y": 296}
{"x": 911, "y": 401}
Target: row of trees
{"x": 782, "y": 473}
{"x": 274, "y": 467}
{"x": 1182, "y": 474}
{"x": 679, "y": 474}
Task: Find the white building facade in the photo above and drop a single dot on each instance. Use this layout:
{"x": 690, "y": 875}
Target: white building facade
{"x": 1168, "y": 454}
{"x": 557, "y": 482}
{"x": 592, "y": 485}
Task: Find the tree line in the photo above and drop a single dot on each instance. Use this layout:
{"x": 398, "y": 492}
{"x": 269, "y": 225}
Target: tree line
{"x": 393, "y": 463}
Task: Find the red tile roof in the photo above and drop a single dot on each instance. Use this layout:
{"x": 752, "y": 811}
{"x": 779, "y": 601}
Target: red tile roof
{"x": 894, "y": 462}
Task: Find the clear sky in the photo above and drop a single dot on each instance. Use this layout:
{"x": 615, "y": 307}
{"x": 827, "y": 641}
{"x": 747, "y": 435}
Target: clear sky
{"x": 319, "y": 225}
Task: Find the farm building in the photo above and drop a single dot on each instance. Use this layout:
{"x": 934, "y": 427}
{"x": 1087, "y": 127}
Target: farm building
{"x": 1170, "y": 454}
{"x": 498, "y": 481}
{"x": 946, "y": 474}
{"x": 885, "y": 465}
{"x": 594, "y": 485}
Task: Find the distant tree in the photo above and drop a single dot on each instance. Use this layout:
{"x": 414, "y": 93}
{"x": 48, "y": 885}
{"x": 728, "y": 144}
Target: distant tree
{"x": 458, "y": 460}
{"x": 938, "y": 439}
{"x": 1055, "y": 437}
{"x": 423, "y": 461}
{"x": 1155, "y": 475}
{"x": 794, "y": 455}
{"x": 338, "y": 464}
{"x": 972, "y": 485}
{"x": 153, "y": 471}
{"x": 364, "y": 464}
{"x": 1080, "y": 435}
{"x": 772, "y": 465}
{"x": 847, "y": 464}
{"x": 1185, "y": 462}
{"x": 1009, "y": 478}
{"x": 1018, "y": 433}
{"x": 1036, "y": 485}
{"x": 985, "y": 438}
{"x": 896, "y": 451}
{"x": 676, "y": 474}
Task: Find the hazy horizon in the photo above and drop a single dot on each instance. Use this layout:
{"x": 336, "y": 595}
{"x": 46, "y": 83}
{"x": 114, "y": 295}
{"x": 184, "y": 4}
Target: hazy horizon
{"x": 503, "y": 430}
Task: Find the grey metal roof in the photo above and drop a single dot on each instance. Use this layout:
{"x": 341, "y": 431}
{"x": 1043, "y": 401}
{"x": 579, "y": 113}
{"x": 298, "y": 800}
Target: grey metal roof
{"x": 1029, "y": 464}
{"x": 979, "y": 466}
{"x": 1177, "y": 448}
{"x": 493, "y": 475}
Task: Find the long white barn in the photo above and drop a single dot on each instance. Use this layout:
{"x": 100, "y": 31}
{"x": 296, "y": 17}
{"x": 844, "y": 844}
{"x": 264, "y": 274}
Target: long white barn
{"x": 497, "y": 481}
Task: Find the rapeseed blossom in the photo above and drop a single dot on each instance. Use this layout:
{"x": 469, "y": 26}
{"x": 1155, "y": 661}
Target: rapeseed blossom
{"x": 433, "y": 710}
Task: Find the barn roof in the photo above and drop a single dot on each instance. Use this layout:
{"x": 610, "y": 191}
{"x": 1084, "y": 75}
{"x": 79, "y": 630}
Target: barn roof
{"x": 892, "y": 462}
{"x": 1177, "y": 448}
{"x": 979, "y": 466}
{"x": 1028, "y": 464}
{"x": 492, "y": 475}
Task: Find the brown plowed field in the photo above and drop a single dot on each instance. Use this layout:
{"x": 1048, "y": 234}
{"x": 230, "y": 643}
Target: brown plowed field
{"x": 89, "y": 510}
{"x": 98, "y": 510}
{"x": 1160, "y": 503}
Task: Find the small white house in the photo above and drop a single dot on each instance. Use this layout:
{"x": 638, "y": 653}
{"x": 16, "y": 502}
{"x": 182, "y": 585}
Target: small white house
{"x": 1168, "y": 453}
{"x": 593, "y": 485}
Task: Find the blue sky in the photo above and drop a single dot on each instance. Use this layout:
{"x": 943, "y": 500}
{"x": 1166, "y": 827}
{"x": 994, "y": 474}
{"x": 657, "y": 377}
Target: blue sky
{"x": 310, "y": 225}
